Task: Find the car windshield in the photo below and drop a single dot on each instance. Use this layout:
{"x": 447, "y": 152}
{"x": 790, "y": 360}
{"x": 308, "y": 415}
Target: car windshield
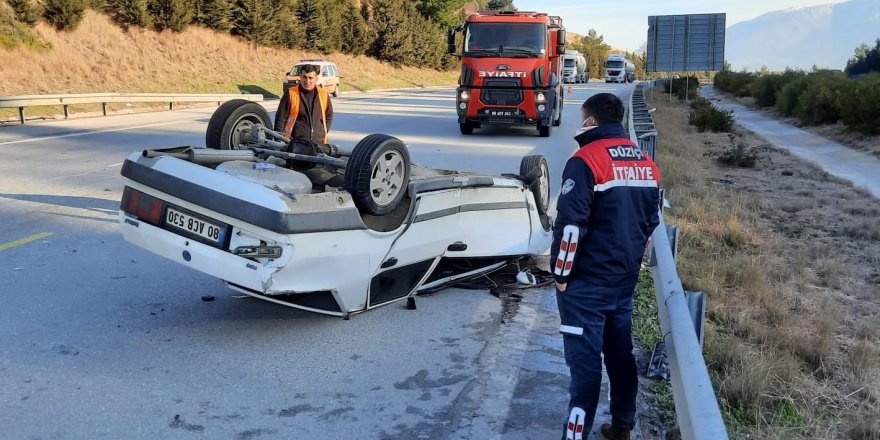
{"x": 298, "y": 68}
{"x": 614, "y": 64}
{"x": 518, "y": 40}
{"x": 569, "y": 63}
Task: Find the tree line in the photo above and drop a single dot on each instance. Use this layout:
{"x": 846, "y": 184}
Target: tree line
{"x": 411, "y": 33}
{"x": 818, "y": 96}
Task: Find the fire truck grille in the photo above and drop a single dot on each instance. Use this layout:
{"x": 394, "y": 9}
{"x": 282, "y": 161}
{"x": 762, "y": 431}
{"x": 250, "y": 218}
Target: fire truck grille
{"x": 502, "y": 92}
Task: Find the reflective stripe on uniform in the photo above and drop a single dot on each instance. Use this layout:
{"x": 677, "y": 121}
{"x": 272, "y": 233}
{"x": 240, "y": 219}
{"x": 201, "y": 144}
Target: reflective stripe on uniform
{"x": 572, "y": 330}
{"x": 575, "y": 428}
{"x": 567, "y": 250}
{"x": 630, "y": 183}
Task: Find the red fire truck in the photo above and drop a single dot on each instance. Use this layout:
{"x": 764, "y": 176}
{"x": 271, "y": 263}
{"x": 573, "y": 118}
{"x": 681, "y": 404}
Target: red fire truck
{"x": 511, "y": 70}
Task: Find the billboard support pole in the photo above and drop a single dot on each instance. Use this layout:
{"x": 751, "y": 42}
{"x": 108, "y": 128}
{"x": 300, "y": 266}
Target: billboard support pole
{"x": 687, "y": 86}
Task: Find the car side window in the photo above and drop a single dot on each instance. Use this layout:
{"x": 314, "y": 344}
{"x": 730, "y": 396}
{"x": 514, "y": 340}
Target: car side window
{"x": 324, "y": 71}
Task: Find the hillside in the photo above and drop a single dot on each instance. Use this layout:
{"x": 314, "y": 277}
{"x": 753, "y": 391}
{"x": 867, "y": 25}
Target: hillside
{"x": 100, "y": 56}
{"x": 824, "y": 36}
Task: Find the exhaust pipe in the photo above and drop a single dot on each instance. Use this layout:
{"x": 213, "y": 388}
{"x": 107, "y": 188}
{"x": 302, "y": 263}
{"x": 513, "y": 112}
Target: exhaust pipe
{"x": 203, "y": 156}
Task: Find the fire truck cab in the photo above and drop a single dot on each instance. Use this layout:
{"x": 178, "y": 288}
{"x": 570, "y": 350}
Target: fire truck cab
{"x": 511, "y": 70}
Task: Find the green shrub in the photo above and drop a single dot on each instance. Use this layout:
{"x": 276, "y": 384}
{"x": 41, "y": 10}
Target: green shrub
{"x": 130, "y": 12}
{"x": 14, "y": 33}
{"x": 705, "y": 117}
{"x": 64, "y": 14}
{"x": 97, "y": 5}
{"x": 25, "y": 11}
{"x": 739, "y": 155}
{"x": 859, "y": 104}
{"x": 216, "y": 14}
{"x": 735, "y": 83}
{"x": 765, "y": 88}
{"x": 818, "y": 103}
{"x": 683, "y": 88}
{"x": 787, "y": 97}
{"x": 171, "y": 14}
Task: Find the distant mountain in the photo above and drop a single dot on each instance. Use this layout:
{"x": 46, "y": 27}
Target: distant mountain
{"x": 825, "y": 36}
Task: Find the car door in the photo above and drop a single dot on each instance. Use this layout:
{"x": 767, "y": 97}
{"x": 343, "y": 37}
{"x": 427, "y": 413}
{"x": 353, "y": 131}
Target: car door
{"x": 324, "y": 80}
{"x": 430, "y": 233}
{"x": 334, "y": 76}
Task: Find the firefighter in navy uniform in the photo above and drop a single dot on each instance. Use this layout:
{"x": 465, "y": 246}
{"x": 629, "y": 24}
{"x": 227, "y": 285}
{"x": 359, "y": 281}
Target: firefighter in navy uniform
{"x": 607, "y": 209}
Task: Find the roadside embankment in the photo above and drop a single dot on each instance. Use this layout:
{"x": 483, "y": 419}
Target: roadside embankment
{"x": 100, "y": 57}
{"x": 788, "y": 256}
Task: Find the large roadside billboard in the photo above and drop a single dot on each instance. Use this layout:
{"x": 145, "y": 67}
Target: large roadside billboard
{"x": 686, "y": 43}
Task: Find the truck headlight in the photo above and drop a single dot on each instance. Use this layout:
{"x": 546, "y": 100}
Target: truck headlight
{"x": 462, "y": 106}
{"x": 542, "y": 107}
{"x": 539, "y": 98}
{"x": 464, "y": 95}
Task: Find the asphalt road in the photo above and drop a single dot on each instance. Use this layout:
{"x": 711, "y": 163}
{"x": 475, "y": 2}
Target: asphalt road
{"x": 99, "y": 339}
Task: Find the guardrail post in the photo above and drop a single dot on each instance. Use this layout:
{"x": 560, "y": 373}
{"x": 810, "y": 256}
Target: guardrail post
{"x": 65, "y": 111}
{"x": 696, "y": 302}
{"x": 104, "y": 108}
{"x": 170, "y": 106}
{"x": 21, "y": 114}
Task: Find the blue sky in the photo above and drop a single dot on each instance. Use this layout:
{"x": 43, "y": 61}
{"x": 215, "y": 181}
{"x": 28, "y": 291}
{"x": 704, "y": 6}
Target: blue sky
{"x": 624, "y": 23}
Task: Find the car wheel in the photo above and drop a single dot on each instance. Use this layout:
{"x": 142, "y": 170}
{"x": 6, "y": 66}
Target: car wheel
{"x": 561, "y": 103}
{"x": 536, "y": 175}
{"x": 231, "y": 121}
{"x": 336, "y": 91}
{"x": 466, "y": 127}
{"x": 377, "y": 174}
{"x": 543, "y": 130}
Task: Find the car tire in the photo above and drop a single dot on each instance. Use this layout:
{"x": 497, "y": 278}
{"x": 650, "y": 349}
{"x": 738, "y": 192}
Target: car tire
{"x": 336, "y": 91}
{"x": 377, "y": 174}
{"x": 230, "y": 120}
{"x": 543, "y": 130}
{"x": 561, "y": 103}
{"x": 466, "y": 128}
{"x": 536, "y": 175}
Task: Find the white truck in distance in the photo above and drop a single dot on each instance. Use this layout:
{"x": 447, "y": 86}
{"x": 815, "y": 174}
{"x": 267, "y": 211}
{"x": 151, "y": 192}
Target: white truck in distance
{"x": 619, "y": 69}
{"x": 574, "y": 69}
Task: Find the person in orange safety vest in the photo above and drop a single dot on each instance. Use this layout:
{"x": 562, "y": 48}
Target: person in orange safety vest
{"x": 305, "y": 110}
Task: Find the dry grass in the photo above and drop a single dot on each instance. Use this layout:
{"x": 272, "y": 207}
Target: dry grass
{"x": 788, "y": 258}
{"x": 100, "y": 57}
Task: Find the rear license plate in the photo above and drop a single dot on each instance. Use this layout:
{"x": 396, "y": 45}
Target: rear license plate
{"x": 211, "y": 232}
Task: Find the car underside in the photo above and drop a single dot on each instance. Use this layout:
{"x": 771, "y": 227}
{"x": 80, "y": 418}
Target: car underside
{"x": 321, "y": 228}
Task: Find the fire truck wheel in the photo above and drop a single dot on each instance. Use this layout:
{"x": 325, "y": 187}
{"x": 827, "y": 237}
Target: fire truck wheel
{"x": 558, "y": 121}
{"x": 466, "y": 127}
{"x": 543, "y": 129}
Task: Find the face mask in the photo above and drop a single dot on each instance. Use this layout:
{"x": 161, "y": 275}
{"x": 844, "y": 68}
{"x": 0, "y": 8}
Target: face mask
{"x": 586, "y": 126}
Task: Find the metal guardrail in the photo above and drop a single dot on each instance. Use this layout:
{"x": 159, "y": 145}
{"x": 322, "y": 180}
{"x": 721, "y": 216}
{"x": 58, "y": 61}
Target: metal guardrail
{"x": 696, "y": 406}
{"x": 65, "y": 100}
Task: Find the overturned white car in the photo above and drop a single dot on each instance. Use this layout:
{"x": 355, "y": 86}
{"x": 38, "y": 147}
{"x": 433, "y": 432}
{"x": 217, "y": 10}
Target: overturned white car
{"x": 323, "y": 229}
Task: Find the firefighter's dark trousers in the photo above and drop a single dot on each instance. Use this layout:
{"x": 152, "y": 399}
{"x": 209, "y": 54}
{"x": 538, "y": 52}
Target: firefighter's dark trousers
{"x": 597, "y": 321}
